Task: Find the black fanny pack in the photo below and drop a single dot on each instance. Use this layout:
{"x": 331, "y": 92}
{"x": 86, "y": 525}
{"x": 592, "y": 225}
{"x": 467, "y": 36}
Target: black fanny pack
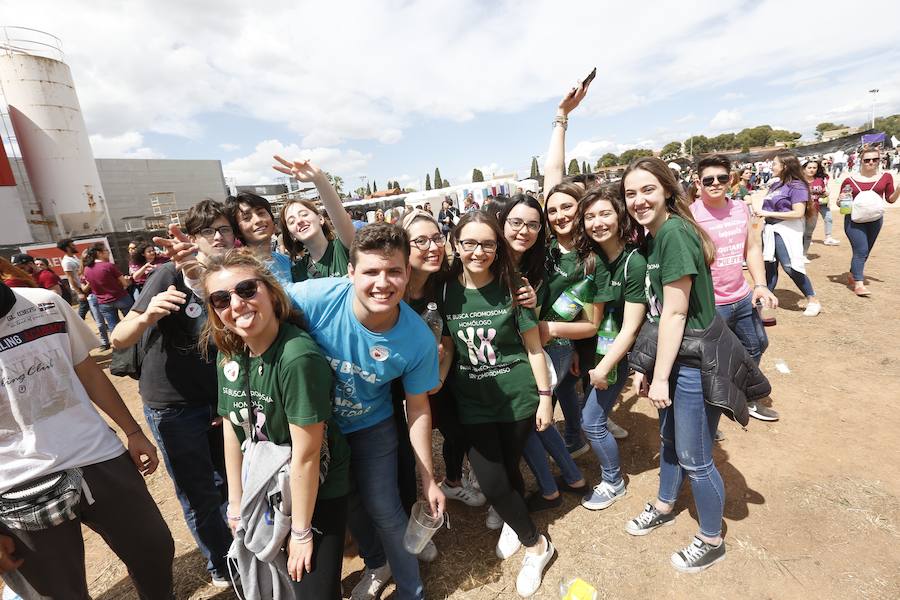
{"x": 44, "y": 502}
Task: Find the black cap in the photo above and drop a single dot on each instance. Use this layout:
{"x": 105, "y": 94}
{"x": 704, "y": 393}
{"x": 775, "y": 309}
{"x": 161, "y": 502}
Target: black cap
{"x": 21, "y": 259}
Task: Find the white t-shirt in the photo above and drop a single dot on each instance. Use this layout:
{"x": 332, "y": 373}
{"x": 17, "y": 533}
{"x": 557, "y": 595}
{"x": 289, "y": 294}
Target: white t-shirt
{"x": 70, "y": 264}
{"x": 47, "y": 421}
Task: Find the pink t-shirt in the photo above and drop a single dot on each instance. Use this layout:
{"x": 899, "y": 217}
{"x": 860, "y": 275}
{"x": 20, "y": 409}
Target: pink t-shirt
{"x": 728, "y": 229}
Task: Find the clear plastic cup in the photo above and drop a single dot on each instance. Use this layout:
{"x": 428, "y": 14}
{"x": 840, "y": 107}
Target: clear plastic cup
{"x": 420, "y": 528}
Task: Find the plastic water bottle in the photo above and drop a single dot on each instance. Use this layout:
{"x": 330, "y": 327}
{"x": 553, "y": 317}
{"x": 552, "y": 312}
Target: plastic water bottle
{"x": 576, "y": 589}
{"x": 432, "y": 318}
{"x": 571, "y": 301}
{"x": 606, "y": 335}
{"x": 845, "y": 200}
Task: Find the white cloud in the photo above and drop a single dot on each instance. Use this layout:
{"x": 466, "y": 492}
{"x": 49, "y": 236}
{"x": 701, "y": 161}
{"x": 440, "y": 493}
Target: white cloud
{"x": 126, "y": 145}
{"x": 257, "y": 166}
{"x": 230, "y": 147}
{"x": 726, "y": 119}
{"x": 686, "y": 118}
{"x": 733, "y": 96}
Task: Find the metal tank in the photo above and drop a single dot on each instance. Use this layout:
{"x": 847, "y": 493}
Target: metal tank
{"x": 50, "y": 132}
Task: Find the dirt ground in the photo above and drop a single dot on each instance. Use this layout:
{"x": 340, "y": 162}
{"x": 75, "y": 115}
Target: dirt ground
{"x": 813, "y": 500}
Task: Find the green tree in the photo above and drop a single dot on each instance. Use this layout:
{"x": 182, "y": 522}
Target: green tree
{"x": 374, "y": 187}
{"x": 672, "y": 149}
{"x": 368, "y": 189}
{"x": 697, "y": 144}
{"x": 753, "y": 136}
{"x": 584, "y": 167}
{"x": 535, "y": 173}
{"x": 629, "y": 155}
{"x": 336, "y": 182}
{"x": 573, "y": 167}
{"x": 723, "y": 141}
{"x": 477, "y": 175}
{"x": 608, "y": 160}
{"x": 396, "y": 185}
{"x": 427, "y": 181}
{"x": 821, "y": 128}
{"x": 782, "y": 135}
{"x": 889, "y": 125}
{"x": 438, "y": 180}
{"x": 446, "y": 184}
{"x": 360, "y": 192}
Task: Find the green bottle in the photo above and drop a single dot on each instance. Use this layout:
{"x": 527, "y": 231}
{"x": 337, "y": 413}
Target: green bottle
{"x": 571, "y": 301}
{"x": 606, "y": 335}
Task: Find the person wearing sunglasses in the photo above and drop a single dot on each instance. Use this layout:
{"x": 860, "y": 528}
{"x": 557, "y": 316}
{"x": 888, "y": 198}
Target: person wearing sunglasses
{"x": 862, "y": 236}
{"x": 499, "y": 379}
{"x": 784, "y": 209}
{"x": 178, "y": 386}
{"x": 736, "y": 236}
{"x": 317, "y": 247}
{"x": 275, "y": 385}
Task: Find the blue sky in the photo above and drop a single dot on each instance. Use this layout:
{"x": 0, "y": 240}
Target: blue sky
{"x": 390, "y": 89}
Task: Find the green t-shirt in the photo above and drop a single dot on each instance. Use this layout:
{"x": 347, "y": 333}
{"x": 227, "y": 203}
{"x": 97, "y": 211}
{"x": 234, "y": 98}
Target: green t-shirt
{"x": 290, "y": 383}
{"x": 616, "y": 289}
{"x": 563, "y": 271}
{"x": 491, "y": 379}
{"x": 672, "y": 254}
{"x": 334, "y": 263}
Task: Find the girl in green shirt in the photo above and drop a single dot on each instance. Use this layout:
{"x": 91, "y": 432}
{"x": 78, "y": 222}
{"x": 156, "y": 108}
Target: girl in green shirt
{"x": 264, "y": 351}
{"x": 679, "y": 294}
{"x": 500, "y": 382}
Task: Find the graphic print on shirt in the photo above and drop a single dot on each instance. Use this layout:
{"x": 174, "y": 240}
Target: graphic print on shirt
{"x": 482, "y": 352}
{"x": 654, "y": 306}
{"x": 346, "y": 404}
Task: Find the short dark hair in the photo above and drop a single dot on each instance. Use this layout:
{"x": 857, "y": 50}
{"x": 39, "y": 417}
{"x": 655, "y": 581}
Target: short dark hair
{"x": 64, "y": 243}
{"x": 380, "y": 237}
{"x": 202, "y": 215}
{"x": 233, "y": 204}
{"x": 713, "y": 160}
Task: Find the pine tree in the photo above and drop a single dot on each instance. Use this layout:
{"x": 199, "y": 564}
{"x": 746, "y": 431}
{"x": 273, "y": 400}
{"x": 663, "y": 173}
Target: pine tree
{"x": 446, "y": 184}
{"x": 535, "y": 173}
{"x": 438, "y": 180}
{"x": 573, "y": 167}
{"x": 368, "y": 189}
{"x": 584, "y": 167}
{"x": 427, "y": 181}
{"x": 477, "y": 175}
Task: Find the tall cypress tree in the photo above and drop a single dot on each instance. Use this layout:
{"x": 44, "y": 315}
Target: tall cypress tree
{"x": 368, "y": 189}
{"x": 374, "y": 187}
{"x": 535, "y": 173}
{"x": 573, "y": 167}
{"x": 427, "y": 181}
{"x": 438, "y": 181}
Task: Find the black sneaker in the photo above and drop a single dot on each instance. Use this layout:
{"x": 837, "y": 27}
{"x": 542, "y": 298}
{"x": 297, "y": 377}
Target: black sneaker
{"x": 536, "y": 503}
{"x": 562, "y": 486}
{"x": 763, "y": 413}
{"x": 649, "y": 520}
{"x": 698, "y": 556}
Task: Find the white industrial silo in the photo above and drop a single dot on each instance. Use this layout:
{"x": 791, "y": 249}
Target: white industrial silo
{"x": 50, "y": 131}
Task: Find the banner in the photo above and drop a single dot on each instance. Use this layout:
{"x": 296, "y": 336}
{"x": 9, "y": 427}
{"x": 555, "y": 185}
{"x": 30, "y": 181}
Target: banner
{"x": 54, "y": 254}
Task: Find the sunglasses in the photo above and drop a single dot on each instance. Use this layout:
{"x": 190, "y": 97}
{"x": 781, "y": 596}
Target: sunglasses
{"x": 870, "y": 160}
{"x": 245, "y": 290}
{"x": 722, "y": 178}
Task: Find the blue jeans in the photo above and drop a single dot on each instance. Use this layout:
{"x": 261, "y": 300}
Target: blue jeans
{"x": 561, "y": 355}
{"x": 192, "y": 450}
{"x": 862, "y": 238}
{"x": 826, "y": 217}
{"x": 98, "y": 318}
{"x": 376, "y": 516}
{"x": 111, "y": 310}
{"x": 687, "y": 428}
{"x": 743, "y": 319}
{"x": 593, "y": 420}
{"x": 783, "y": 258}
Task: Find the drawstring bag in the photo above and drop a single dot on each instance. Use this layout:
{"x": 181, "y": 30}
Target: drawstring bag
{"x": 867, "y": 206}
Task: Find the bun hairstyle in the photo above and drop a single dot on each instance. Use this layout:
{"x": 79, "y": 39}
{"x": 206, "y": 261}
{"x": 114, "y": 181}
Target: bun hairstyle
{"x": 676, "y": 203}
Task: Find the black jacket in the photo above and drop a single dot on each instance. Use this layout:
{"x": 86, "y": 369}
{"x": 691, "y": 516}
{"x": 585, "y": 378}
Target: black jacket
{"x": 729, "y": 376}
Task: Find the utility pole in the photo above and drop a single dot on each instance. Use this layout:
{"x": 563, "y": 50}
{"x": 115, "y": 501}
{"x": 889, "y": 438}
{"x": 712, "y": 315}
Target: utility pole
{"x": 874, "y": 93}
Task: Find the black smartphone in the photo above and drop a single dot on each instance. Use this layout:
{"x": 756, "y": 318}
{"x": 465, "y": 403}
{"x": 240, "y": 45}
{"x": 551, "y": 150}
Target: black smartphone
{"x": 589, "y": 78}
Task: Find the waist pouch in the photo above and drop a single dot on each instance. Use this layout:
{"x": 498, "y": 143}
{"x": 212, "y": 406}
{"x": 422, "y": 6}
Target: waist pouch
{"x": 44, "y": 502}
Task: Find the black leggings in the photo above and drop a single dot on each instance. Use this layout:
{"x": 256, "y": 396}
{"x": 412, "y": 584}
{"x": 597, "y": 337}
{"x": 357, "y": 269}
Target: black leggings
{"x": 324, "y": 581}
{"x": 406, "y": 458}
{"x": 456, "y": 442}
{"x": 494, "y": 455}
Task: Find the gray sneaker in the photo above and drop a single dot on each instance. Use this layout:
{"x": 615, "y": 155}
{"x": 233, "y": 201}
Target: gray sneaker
{"x": 699, "y": 555}
{"x": 648, "y": 520}
{"x": 763, "y": 413}
{"x": 603, "y": 495}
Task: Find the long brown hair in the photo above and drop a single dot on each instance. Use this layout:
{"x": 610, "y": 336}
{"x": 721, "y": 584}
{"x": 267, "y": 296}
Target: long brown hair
{"x": 294, "y": 247}
{"x": 415, "y": 215}
{"x": 11, "y": 271}
{"x": 676, "y": 203}
{"x": 628, "y": 230}
{"x": 790, "y": 169}
{"x": 215, "y": 332}
{"x": 502, "y": 267}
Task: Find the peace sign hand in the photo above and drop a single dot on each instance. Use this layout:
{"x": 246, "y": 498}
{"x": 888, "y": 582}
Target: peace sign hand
{"x": 301, "y": 170}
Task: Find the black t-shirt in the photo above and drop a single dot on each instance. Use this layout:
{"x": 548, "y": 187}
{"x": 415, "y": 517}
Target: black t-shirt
{"x": 174, "y": 371}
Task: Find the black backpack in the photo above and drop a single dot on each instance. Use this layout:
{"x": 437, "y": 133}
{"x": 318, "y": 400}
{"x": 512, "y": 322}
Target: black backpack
{"x": 127, "y": 361}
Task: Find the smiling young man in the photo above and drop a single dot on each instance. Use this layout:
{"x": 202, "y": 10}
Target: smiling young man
{"x": 253, "y": 223}
{"x": 737, "y": 238}
{"x": 371, "y": 338}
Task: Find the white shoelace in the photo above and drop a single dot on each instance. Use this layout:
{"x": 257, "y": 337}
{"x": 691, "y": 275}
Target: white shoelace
{"x": 693, "y": 552}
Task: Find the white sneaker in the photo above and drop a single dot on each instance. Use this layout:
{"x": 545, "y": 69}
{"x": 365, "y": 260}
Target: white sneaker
{"x": 812, "y": 309}
{"x": 428, "y": 553}
{"x": 371, "y": 584}
{"x": 508, "y": 544}
{"x": 617, "y": 432}
{"x": 603, "y": 495}
{"x": 470, "y": 481}
{"x": 831, "y": 241}
{"x": 806, "y": 261}
{"x": 466, "y": 495}
{"x": 532, "y": 571}
{"x": 493, "y": 520}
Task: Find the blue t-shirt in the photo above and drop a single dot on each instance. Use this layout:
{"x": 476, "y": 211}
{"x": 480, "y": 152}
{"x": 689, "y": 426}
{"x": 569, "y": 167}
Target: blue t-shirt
{"x": 364, "y": 362}
{"x": 280, "y": 266}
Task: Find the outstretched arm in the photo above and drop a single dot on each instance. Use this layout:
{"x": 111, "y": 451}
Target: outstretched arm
{"x": 555, "y": 164}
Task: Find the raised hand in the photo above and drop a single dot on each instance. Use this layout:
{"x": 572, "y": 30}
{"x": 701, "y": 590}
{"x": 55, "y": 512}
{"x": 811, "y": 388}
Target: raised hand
{"x": 301, "y": 170}
{"x": 572, "y": 99}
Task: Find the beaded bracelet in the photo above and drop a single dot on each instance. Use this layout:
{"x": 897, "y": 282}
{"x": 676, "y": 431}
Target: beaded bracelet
{"x": 303, "y": 536}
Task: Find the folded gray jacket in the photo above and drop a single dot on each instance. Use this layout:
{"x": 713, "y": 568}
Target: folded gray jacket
{"x": 730, "y": 378}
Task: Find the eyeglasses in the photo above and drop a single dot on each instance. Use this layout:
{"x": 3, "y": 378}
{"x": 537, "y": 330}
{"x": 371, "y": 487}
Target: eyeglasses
{"x": 871, "y": 160}
{"x": 722, "y": 178}
{"x": 245, "y": 290}
{"x": 487, "y": 246}
{"x": 516, "y": 224}
{"x": 424, "y": 243}
{"x": 210, "y": 232}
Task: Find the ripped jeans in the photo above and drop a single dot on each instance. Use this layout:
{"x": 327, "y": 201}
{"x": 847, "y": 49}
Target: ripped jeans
{"x": 687, "y": 428}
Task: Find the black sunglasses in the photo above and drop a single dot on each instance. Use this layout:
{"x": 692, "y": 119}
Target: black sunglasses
{"x": 721, "y": 178}
{"x": 245, "y": 290}
{"x": 871, "y": 160}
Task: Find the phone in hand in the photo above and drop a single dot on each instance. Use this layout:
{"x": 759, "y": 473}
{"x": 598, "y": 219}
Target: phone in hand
{"x": 589, "y": 78}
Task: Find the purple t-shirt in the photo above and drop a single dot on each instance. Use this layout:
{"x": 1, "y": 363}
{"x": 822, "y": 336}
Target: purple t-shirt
{"x": 104, "y": 280}
{"x": 782, "y": 197}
